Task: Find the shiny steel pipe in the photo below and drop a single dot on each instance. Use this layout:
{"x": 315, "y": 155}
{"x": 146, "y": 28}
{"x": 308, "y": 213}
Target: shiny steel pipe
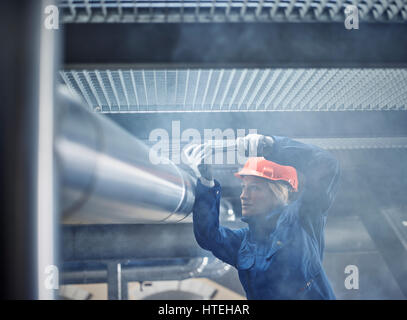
{"x": 29, "y": 214}
{"x": 202, "y": 267}
{"x": 107, "y": 176}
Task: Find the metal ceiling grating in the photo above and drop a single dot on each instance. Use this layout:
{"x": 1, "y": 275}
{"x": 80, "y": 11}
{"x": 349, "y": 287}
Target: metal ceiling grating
{"x": 190, "y": 90}
{"x": 157, "y": 11}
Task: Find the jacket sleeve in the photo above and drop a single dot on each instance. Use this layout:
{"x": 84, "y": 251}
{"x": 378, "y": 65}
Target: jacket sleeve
{"x": 223, "y": 242}
{"x": 320, "y": 169}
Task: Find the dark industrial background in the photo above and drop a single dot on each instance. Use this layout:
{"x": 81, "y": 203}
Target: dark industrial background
{"x": 287, "y": 68}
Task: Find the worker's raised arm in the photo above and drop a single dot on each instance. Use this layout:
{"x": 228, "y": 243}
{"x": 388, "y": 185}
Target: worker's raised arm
{"x": 319, "y": 167}
{"x": 223, "y": 242}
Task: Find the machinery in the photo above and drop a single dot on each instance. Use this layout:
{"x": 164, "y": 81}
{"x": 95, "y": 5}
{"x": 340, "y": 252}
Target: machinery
{"x": 88, "y": 102}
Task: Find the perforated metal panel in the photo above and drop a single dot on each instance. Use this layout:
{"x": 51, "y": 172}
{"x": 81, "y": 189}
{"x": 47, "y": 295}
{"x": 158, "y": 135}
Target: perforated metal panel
{"x": 229, "y": 10}
{"x": 239, "y": 89}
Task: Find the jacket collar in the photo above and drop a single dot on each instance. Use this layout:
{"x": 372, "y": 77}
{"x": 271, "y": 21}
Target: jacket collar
{"x": 261, "y": 226}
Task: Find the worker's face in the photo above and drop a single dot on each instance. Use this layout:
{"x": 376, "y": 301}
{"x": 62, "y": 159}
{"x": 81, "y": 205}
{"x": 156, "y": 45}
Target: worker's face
{"x": 257, "y": 198}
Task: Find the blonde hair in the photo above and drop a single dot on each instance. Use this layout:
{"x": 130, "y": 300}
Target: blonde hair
{"x": 280, "y": 190}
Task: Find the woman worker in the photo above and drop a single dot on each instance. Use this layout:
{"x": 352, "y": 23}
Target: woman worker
{"x": 279, "y": 255}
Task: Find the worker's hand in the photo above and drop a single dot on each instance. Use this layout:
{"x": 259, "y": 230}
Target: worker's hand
{"x": 254, "y": 145}
{"x": 196, "y": 156}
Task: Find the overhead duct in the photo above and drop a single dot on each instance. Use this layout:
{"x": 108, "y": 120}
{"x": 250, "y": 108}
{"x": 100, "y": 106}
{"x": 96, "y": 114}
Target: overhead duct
{"x": 107, "y": 176}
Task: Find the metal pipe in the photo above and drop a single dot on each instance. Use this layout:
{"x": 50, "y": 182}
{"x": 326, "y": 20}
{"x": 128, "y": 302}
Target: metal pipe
{"x": 28, "y": 225}
{"x": 196, "y": 267}
{"x": 129, "y": 241}
{"x": 203, "y": 267}
{"x": 47, "y": 223}
{"x": 108, "y": 176}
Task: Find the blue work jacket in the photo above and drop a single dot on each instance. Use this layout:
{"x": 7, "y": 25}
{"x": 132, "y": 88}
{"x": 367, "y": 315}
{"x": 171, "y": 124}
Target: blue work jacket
{"x": 279, "y": 255}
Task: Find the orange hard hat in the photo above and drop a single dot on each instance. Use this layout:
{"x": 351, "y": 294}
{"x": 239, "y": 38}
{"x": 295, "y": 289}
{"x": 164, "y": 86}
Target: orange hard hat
{"x": 260, "y": 167}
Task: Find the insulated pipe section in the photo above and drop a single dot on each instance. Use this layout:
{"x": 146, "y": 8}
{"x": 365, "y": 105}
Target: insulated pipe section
{"x": 107, "y": 176}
